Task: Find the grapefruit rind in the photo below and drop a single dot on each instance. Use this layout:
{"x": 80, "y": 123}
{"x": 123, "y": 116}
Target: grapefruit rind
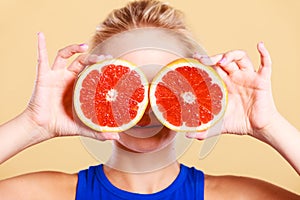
{"x": 98, "y": 66}
{"x": 215, "y": 79}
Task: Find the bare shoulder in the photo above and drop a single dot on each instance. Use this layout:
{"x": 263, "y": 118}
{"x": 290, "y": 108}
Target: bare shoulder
{"x": 39, "y": 185}
{"x": 235, "y": 187}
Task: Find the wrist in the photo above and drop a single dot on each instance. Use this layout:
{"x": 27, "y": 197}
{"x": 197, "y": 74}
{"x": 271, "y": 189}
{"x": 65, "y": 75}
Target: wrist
{"x": 18, "y": 134}
{"x": 283, "y": 137}
{"x": 36, "y": 132}
{"x": 269, "y": 132}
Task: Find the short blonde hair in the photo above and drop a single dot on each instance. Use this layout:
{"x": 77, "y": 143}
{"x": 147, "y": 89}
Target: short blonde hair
{"x": 144, "y": 13}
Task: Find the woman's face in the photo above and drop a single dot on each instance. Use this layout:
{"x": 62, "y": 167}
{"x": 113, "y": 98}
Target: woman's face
{"x": 149, "y": 134}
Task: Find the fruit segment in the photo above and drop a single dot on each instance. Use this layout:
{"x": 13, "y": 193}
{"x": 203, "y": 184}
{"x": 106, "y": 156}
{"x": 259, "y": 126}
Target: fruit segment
{"x": 187, "y": 96}
{"x": 111, "y": 96}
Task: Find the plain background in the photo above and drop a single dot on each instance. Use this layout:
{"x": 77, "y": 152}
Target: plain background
{"x": 218, "y": 25}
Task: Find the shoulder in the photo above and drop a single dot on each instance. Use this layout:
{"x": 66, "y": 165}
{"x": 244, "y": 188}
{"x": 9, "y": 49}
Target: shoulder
{"x": 236, "y": 187}
{"x": 39, "y": 185}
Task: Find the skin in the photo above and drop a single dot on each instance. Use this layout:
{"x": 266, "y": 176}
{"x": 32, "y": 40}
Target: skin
{"x": 255, "y": 115}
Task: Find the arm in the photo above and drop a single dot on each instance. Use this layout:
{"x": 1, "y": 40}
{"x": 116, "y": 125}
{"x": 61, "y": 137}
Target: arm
{"x": 39, "y": 185}
{"x": 285, "y": 138}
{"x": 48, "y": 115}
{"x": 18, "y": 134}
{"x": 233, "y": 187}
{"x": 278, "y": 132}
{"x": 251, "y": 109}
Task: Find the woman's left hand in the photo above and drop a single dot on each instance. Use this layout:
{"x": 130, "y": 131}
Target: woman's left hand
{"x": 250, "y": 103}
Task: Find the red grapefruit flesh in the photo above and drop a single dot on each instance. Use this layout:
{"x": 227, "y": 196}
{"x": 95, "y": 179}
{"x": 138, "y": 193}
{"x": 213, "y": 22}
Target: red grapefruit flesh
{"x": 188, "y": 96}
{"x": 111, "y": 96}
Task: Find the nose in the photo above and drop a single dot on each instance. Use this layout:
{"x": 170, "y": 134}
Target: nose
{"x": 146, "y": 120}
{"x": 150, "y": 70}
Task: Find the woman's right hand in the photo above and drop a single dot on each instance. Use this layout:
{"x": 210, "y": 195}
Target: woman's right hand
{"x": 50, "y": 107}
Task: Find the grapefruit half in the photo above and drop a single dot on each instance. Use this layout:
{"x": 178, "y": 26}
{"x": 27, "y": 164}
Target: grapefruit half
{"x": 111, "y": 96}
{"x": 188, "y": 96}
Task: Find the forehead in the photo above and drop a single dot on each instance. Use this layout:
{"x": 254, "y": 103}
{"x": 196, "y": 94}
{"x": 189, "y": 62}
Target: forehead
{"x": 150, "y": 57}
{"x": 150, "y": 61}
{"x": 144, "y": 46}
{"x": 148, "y": 48}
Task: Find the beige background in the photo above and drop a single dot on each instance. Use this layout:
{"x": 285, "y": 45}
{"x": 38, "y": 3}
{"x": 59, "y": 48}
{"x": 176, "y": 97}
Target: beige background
{"x": 218, "y": 25}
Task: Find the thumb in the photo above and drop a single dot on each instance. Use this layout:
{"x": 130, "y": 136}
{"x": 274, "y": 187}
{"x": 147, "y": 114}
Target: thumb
{"x": 208, "y": 133}
{"x": 265, "y": 59}
{"x": 201, "y": 135}
{"x": 102, "y": 136}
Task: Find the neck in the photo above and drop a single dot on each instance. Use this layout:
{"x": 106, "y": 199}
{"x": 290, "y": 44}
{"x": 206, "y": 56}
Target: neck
{"x": 143, "y": 183}
{"x": 142, "y": 172}
{"x": 133, "y": 162}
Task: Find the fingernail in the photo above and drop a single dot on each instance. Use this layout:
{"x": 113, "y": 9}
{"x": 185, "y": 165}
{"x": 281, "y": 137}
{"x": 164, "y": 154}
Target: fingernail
{"x": 204, "y": 57}
{"x": 261, "y": 44}
{"x": 115, "y": 137}
{"x": 191, "y": 134}
{"x": 222, "y": 61}
{"x": 206, "y": 60}
{"x": 109, "y": 57}
{"x": 85, "y": 46}
{"x": 100, "y": 58}
{"x": 197, "y": 55}
{"x": 93, "y": 58}
{"x": 39, "y": 34}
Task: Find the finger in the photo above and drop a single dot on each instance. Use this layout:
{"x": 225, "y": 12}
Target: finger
{"x": 43, "y": 62}
{"x": 87, "y": 132}
{"x": 211, "y": 61}
{"x": 197, "y": 135}
{"x": 215, "y": 130}
{"x": 228, "y": 68}
{"x": 107, "y": 136}
{"x": 206, "y": 60}
{"x": 81, "y": 62}
{"x": 214, "y": 61}
{"x": 265, "y": 61}
{"x": 202, "y": 135}
{"x": 237, "y": 56}
{"x": 84, "y": 60}
{"x": 223, "y": 74}
{"x": 65, "y": 53}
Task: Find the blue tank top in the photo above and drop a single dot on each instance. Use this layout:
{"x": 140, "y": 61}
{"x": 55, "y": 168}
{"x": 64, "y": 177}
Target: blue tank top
{"x": 93, "y": 184}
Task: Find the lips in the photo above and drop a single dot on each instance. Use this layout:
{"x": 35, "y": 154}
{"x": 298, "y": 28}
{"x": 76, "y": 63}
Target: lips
{"x": 148, "y": 126}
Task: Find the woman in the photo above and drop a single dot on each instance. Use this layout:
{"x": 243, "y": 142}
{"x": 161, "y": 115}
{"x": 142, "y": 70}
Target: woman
{"x": 251, "y": 111}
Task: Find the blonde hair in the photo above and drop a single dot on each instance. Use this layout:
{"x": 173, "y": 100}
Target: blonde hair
{"x": 143, "y": 13}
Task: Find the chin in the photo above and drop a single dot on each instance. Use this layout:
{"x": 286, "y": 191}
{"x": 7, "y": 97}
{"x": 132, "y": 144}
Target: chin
{"x": 146, "y": 139}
